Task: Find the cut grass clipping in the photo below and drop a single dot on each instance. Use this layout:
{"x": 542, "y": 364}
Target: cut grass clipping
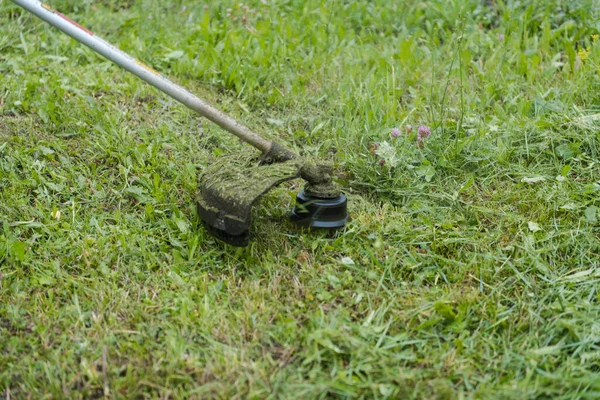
{"x": 470, "y": 268}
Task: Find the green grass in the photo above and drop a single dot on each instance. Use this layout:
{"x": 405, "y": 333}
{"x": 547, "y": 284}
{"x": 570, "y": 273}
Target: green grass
{"x": 470, "y": 268}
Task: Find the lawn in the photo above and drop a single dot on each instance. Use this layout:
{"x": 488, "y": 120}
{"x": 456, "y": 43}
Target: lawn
{"x": 471, "y": 266}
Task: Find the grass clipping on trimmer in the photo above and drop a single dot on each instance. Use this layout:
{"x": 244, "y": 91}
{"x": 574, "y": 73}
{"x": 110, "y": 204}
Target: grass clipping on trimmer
{"x": 229, "y": 189}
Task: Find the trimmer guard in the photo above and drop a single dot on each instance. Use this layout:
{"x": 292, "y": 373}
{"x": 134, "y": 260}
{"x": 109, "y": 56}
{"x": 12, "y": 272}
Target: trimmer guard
{"x": 226, "y": 195}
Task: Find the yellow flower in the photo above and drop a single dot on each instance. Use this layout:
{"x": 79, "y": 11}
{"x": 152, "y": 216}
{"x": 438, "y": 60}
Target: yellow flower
{"x": 595, "y": 38}
{"x": 583, "y": 53}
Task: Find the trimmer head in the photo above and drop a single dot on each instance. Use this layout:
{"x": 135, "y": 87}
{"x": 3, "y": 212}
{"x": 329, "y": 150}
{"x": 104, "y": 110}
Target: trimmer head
{"x": 317, "y": 212}
{"x": 227, "y": 194}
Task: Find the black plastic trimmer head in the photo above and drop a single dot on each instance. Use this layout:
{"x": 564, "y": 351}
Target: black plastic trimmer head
{"x": 316, "y": 212}
{"x": 321, "y": 204}
{"x": 225, "y": 196}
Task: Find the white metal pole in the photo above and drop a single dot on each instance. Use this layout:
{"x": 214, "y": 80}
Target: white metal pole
{"x": 144, "y": 72}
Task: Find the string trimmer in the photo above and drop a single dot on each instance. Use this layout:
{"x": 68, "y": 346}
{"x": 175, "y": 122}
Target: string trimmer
{"x": 225, "y": 196}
